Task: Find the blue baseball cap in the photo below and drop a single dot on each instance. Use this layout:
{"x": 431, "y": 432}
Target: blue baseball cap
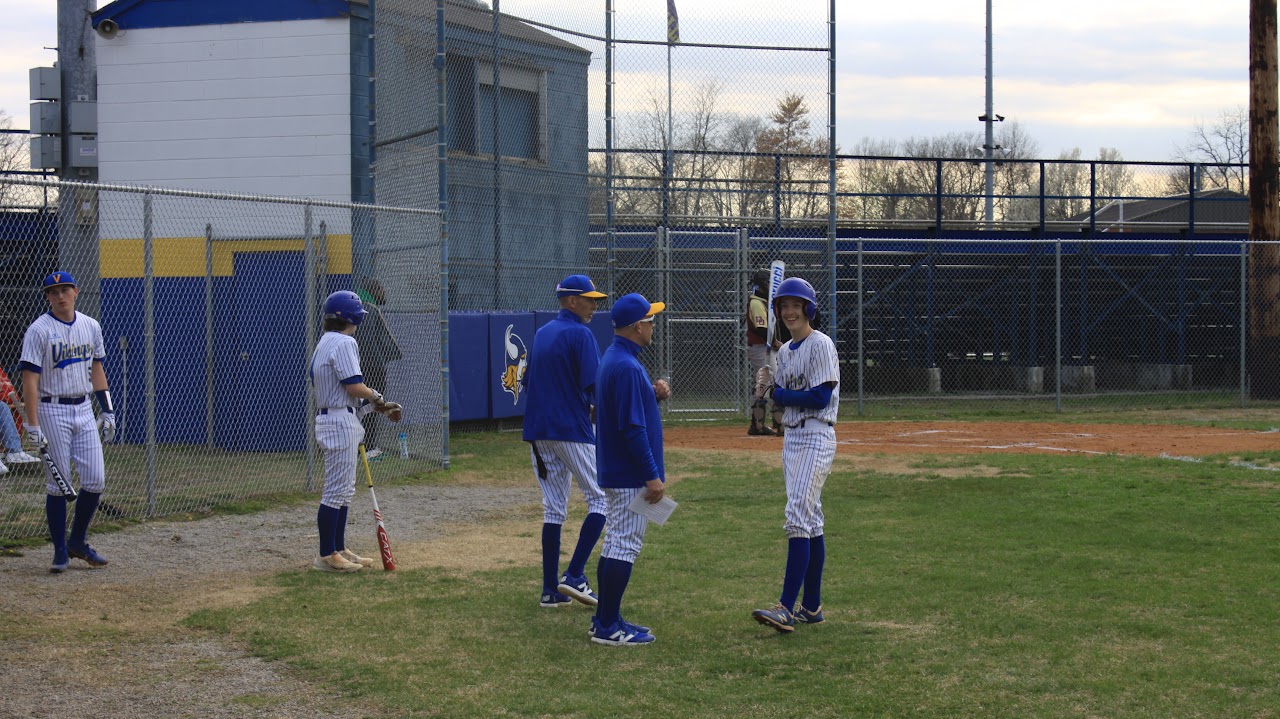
{"x": 58, "y": 278}
{"x": 578, "y": 285}
{"x": 630, "y": 309}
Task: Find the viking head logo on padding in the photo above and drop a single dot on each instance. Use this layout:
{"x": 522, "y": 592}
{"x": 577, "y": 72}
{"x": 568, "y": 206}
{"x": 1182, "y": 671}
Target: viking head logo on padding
{"x": 517, "y": 358}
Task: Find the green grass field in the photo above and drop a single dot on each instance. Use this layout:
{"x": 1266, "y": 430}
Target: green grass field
{"x": 985, "y": 586}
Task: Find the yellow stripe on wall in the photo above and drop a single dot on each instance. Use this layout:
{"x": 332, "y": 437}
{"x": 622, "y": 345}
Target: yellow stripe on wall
{"x": 185, "y": 256}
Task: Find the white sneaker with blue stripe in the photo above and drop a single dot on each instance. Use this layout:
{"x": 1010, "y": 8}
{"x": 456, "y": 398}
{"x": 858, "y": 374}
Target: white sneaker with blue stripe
{"x": 619, "y": 634}
{"x": 578, "y": 588}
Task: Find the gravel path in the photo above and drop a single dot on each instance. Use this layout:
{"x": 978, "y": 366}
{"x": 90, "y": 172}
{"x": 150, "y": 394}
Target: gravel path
{"x": 132, "y": 659}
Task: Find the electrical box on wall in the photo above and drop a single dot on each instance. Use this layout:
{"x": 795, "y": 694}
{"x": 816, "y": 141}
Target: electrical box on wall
{"x": 46, "y": 83}
{"x": 46, "y": 152}
{"x": 45, "y": 119}
{"x": 86, "y": 206}
{"x": 82, "y": 117}
{"x": 84, "y": 151}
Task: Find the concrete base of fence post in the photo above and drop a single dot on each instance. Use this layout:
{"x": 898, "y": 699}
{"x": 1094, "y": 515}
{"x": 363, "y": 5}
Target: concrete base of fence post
{"x": 934, "y": 376}
{"x": 1028, "y": 379}
{"x": 1163, "y": 376}
{"x": 1079, "y": 378}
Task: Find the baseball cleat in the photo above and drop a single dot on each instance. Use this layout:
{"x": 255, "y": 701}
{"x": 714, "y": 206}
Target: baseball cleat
{"x": 779, "y": 618}
{"x": 578, "y": 588}
{"x": 618, "y": 635}
{"x": 552, "y": 599}
{"x": 808, "y": 617}
{"x": 354, "y": 558}
{"x": 86, "y": 553}
{"x": 754, "y": 431}
{"x": 638, "y": 628}
{"x": 335, "y": 563}
{"x": 60, "y": 561}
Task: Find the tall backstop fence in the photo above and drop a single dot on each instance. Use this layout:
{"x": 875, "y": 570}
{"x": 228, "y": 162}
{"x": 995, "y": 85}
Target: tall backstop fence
{"x": 210, "y": 307}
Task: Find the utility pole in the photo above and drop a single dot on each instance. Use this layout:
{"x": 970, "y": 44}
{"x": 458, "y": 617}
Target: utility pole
{"x": 78, "y": 209}
{"x": 1264, "y": 205}
{"x": 989, "y": 117}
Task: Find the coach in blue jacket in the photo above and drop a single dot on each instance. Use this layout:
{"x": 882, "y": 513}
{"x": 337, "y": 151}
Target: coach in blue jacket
{"x": 628, "y": 461}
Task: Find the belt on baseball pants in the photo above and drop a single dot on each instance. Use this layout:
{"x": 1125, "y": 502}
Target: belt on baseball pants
{"x": 806, "y": 419}
{"x": 325, "y": 410}
{"x": 65, "y": 400}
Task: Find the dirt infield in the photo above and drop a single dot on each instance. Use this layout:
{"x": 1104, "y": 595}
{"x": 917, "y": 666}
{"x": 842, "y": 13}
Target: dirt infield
{"x": 1011, "y": 437}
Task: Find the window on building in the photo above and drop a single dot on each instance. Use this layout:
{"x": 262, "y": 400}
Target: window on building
{"x": 521, "y": 109}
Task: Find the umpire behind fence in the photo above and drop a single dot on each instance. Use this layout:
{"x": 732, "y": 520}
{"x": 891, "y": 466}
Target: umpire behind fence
{"x": 628, "y": 459}
{"x": 557, "y": 425}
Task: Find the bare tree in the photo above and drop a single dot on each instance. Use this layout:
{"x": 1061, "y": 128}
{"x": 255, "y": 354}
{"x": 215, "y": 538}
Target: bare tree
{"x": 13, "y": 156}
{"x": 745, "y": 198}
{"x": 1222, "y": 151}
{"x": 1114, "y": 181}
{"x": 873, "y": 182}
{"x": 963, "y": 184}
{"x": 1066, "y": 186}
{"x": 1017, "y": 180}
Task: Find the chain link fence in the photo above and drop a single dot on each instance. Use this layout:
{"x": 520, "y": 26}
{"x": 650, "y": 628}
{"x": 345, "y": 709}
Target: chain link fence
{"x": 1077, "y": 320}
{"x": 210, "y": 305}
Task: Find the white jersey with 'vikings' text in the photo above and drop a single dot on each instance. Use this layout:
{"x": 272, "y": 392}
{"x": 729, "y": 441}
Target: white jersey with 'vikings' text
{"x": 64, "y": 352}
{"x": 804, "y": 367}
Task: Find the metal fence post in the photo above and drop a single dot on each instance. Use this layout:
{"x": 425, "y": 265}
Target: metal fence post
{"x": 1057, "y": 326}
{"x": 309, "y": 307}
{"x": 322, "y": 261}
{"x": 442, "y": 204}
{"x": 937, "y": 196}
{"x": 1244, "y": 318}
{"x": 1041, "y": 225}
{"x": 743, "y": 365}
{"x": 862, "y": 359}
{"x": 664, "y": 295}
{"x": 208, "y": 336}
{"x": 149, "y": 344}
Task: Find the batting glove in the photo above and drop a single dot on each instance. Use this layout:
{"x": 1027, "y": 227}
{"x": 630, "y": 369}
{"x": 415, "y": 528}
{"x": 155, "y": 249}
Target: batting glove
{"x": 35, "y": 435}
{"x": 107, "y": 425}
{"x": 392, "y": 411}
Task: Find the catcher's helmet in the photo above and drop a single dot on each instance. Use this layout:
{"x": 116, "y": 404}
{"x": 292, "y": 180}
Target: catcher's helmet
{"x": 797, "y": 287}
{"x": 344, "y": 305}
{"x": 760, "y": 280}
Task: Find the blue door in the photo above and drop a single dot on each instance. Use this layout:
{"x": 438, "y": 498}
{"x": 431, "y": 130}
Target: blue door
{"x": 272, "y": 356}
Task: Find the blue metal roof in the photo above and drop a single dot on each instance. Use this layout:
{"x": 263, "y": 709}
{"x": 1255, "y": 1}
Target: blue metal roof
{"x": 135, "y": 14}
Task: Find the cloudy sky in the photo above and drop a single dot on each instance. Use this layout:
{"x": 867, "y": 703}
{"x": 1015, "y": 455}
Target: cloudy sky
{"x": 1135, "y": 75}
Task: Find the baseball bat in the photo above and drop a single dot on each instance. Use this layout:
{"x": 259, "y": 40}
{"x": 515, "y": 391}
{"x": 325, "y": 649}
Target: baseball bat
{"x": 384, "y": 543}
{"x": 67, "y": 490}
{"x": 777, "y": 270}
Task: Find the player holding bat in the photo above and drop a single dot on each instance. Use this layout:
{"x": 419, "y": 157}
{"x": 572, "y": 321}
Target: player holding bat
{"x": 61, "y": 365}
{"x": 342, "y": 398}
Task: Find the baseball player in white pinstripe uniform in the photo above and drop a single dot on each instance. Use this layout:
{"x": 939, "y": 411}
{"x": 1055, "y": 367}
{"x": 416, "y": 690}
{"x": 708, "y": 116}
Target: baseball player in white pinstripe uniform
{"x": 342, "y": 398}
{"x": 61, "y": 365}
{"x": 808, "y": 382}
{"x": 560, "y": 380}
{"x": 629, "y": 462}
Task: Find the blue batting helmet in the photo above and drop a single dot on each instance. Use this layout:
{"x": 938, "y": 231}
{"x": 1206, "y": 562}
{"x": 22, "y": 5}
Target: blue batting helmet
{"x": 344, "y": 305}
{"x": 797, "y": 287}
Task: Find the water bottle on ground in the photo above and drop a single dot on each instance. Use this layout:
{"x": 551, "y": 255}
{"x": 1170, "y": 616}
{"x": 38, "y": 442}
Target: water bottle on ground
{"x": 404, "y": 445}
